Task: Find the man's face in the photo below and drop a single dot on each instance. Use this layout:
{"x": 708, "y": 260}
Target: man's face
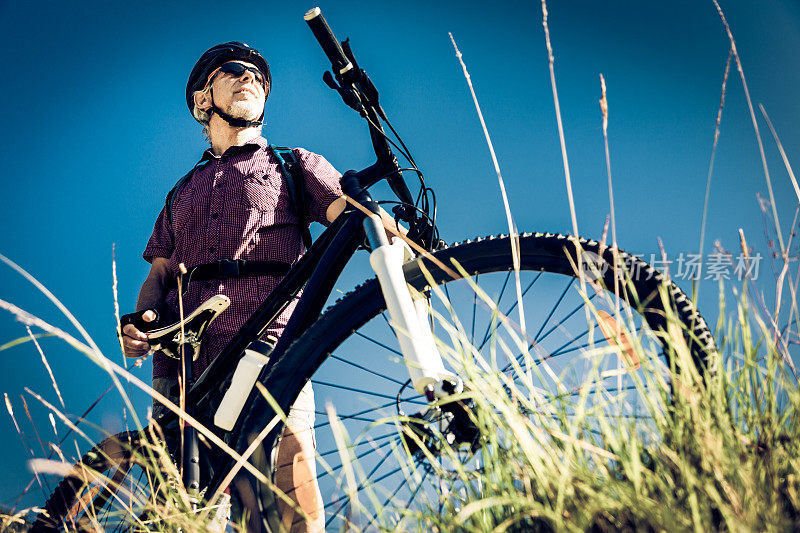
{"x": 239, "y": 95}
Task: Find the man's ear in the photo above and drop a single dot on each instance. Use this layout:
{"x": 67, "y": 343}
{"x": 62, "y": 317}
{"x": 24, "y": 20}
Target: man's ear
{"x": 202, "y": 100}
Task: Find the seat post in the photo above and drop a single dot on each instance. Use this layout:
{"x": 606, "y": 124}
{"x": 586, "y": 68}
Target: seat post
{"x": 190, "y": 453}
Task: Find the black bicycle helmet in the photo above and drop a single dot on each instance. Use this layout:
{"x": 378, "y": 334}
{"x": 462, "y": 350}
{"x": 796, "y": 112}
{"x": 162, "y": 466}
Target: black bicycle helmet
{"x": 213, "y": 58}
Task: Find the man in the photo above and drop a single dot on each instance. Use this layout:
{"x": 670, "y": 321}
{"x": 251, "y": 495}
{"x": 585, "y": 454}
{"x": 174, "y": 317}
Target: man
{"x": 236, "y": 205}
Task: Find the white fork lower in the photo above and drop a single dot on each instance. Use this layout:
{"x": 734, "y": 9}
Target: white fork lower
{"x": 409, "y": 317}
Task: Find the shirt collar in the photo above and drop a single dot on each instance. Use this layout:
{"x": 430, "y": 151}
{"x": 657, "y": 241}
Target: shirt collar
{"x": 250, "y": 146}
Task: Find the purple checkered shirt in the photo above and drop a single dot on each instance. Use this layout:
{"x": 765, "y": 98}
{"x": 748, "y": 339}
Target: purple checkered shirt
{"x": 237, "y": 206}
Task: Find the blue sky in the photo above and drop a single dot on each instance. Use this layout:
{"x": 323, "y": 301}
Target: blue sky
{"x": 96, "y": 132}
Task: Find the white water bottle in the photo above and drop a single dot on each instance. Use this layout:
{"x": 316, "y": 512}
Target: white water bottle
{"x": 244, "y": 378}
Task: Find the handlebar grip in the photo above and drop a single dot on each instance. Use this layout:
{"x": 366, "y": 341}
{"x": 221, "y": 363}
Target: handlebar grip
{"x": 324, "y": 35}
{"x": 138, "y": 321}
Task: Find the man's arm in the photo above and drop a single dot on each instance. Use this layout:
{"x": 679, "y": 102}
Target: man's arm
{"x": 151, "y": 296}
{"x": 321, "y": 182}
{"x": 338, "y": 205}
{"x": 154, "y": 288}
{"x": 336, "y": 208}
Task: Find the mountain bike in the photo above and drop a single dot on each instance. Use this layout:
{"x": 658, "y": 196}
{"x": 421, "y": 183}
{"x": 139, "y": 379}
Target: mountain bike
{"x": 580, "y": 298}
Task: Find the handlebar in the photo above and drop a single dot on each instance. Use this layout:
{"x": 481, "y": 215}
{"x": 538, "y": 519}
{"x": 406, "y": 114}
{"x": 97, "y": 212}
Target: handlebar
{"x": 319, "y": 26}
{"x": 358, "y": 92}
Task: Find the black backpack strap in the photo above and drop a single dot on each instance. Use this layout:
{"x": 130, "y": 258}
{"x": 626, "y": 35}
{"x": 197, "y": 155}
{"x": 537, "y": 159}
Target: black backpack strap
{"x": 236, "y": 268}
{"x": 290, "y": 168}
{"x": 174, "y": 192}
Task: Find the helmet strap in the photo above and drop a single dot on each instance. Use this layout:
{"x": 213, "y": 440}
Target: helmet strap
{"x": 233, "y": 121}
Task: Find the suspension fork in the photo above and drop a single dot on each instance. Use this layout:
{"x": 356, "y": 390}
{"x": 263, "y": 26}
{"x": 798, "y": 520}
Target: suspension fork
{"x": 409, "y": 316}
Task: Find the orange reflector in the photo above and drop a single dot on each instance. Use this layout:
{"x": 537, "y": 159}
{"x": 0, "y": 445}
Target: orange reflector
{"x": 616, "y": 336}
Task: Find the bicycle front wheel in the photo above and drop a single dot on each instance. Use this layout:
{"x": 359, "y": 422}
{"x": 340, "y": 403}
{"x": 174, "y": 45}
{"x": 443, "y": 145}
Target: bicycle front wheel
{"x": 586, "y": 340}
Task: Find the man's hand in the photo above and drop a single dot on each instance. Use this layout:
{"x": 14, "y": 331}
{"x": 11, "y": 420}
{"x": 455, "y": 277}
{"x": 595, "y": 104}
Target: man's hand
{"x": 151, "y": 297}
{"x": 134, "y": 341}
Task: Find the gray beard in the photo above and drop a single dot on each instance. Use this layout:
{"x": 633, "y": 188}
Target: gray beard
{"x": 244, "y": 110}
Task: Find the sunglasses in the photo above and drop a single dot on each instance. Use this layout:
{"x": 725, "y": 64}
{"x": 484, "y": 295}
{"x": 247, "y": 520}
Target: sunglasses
{"x": 236, "y": 70}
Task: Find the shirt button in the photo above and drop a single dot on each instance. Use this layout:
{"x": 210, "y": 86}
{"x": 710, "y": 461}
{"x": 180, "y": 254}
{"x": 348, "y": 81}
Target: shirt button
{"x": 212, "y": 249}
{"x": 215, "y": 216}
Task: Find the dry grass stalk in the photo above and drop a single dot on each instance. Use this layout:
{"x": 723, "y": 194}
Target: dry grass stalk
{"x": 512, "y": 227}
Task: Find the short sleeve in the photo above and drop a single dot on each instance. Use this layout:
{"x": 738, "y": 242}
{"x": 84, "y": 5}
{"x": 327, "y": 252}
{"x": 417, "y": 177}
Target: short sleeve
{"x": 321, "y": 183}
{"x": 161, "y": 243}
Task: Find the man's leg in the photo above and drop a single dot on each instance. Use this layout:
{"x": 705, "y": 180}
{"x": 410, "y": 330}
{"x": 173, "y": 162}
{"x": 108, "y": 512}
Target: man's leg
{"x": 296, "y": 474}
{"x": 166, "y": 387}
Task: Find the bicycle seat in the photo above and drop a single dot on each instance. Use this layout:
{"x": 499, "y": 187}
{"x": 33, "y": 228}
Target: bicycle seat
{"x": 168, "y": 339}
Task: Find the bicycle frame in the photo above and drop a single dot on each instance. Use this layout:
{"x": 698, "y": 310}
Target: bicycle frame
{"x": 315, "y": 273}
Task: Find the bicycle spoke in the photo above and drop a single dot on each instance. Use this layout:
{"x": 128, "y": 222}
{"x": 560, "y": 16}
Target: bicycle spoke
{"x": 595, "y": 390}
{"x": 497, "y": 303}
{"x": 558, "y": 351}
{"x": 580, "y": 306}
{"x": 353, "y": 415}
{"x": 447, "y": 293}
{"x": 520, "y": 358}
{"x": 362, "y": 486}
{"x": 516, "y": 302}
{"x": 382, "y": 345}
{"x": 611, "y": 415}
{"x": 359, "y": 456}
{"x": 384, "y": 376}
{"x": 348, "y": 417}
{"x": 115, "y": 480}
{"x": 575, "y": 348}
{"x": 474, "y": 312}
{"x": 369, "y": 393}
{"x": 419, "y": 486}
{"x": 359, "y": 488}
{"x": 363, "y": 442}
{"x": 553, "y": 310}
{"x": 139, "y": 487}
{"x": 507, "y": 312}
{"x": 402, "y": 484}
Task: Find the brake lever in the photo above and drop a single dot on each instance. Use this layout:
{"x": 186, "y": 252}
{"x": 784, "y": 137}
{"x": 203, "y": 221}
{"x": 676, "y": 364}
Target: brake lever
{"x": 329, "y": 81}
{"x": 362, "y": 80}
{"x": 348, "y": 94}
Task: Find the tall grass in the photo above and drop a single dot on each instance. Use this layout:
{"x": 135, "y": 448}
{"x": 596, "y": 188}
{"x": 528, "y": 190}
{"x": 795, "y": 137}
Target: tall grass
{"x": 708, "y": 453}
{"x": 719, "y": 452}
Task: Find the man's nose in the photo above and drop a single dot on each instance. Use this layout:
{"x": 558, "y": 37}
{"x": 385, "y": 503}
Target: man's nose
{"x": 247, "y": 76}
